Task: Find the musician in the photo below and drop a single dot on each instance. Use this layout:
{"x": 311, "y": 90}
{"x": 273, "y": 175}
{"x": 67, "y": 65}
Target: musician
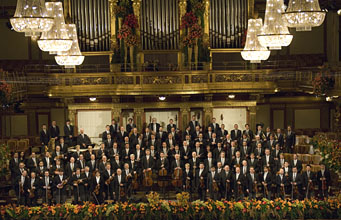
{"x": 54, "y": 130}
{"x": 138, "y": 153}
{"x": 236, "y": 134}
{"x": 108, "y": 176}
{"x": 287, "y": 170}
{"x": 32, "y": 162}
{"x": 271, "y": 143}
{"x": 154, "y": 142}
{"x": 106, "y": 133}
{"x": 120, "y": 136}
{"x": 226, "y": 182}
{"x": 222, "y": 159}
{"x": 68, "y": 132}
{"x": 199, "y": 151}
{"x": 295, "y": 180}
{"x": 214, "y": 141}
{"x": 213, "y": 183}
{"x": 40, "y": 169}
{"x": 153, "y": 153}
{"x": 187, "y": 131}
{"x": 81, "y": 163}
{"x": 279, "y": 137}
{"x": 280, "y": 161}
{"x": 193, "y": 124}
{"x": 267, "y": 159}
{"x": 118, "y": 185}
{"x": 245, "y": 150}
{"x": 78, "y": 187}
{"x": 108, "y": 142}
{"x": 231, "y": 151}
{"x": 177, "y": 163}
{"x": 21, "y": 188}
{"x": 97, "y": 187}
{"x": 170, "y": 141}
{"x": 219, "y": 168}
{"x": 185, "y": 150}
{"x": 70, "y": 168}
{"x": 83, "y": 140}
{"x": 87, "y": 154}
{"x": 267, "y": 133}
{"x": 102, "y": 151}
{"x": 239, "y": 181}
{"x": 196, "y": 133}
{"x": 162, "y": 162}
{"x": 44, "y": 137}
{"x": 142, "y": 140}
{"x": 171, "y": 125}
{"x": 282, "y": 183}
{"x": 248, "y": 132}
{"x": 53, "y": 170}
{"x": 147, "y": 161}
{"x": 209, "y": 162}
{"x": 253, "y": 162}
{"x": 214, "y": 126}
{"x": 132, "y": 138}
{"x": 161, "y": 135}
{"x": 187, "y": 178}
{"x": 260, "y": 132}
{"x": 130, "y": 125}
{"x": 208, "y": 134}
{"x": 126, "y": 152}
{"x": 221, "y": 133}
{"x": 201, "y": 181}
{"x": 86, "y": 176}
{"x": 227, "y": 142}
{"x": 14, "y": 167}
{"x": 276, "y": 152}
{"x": 46, "y": 185}
{"x": 116, "y": 163}
{"x": 290, "y": 140}
{"x": 154, "y": 126}
{"x": 128, "y": 176}
{"x": 48, "y": 162}
{"x": 58, "y": 154}
{"x": 308, "y": 179}
{"x": 244, "y": 168}
{"x": 266, "y": 181}
{"x": 252, "y": 183}
{"x": 176, "y": 151}
{"x": 77, "y": 152}
{"x": 244, "y": 138}
{"x": 114, "y": 128}
{"x": 92, "y": 164}
{"x": 59, "y": 186}
{"x": 237, "y": 161}
{"x": 296, "y": 163}
{"x": 323, "y": 180}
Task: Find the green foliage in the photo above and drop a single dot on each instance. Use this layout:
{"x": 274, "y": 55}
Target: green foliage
{"x": 4, "y": 157}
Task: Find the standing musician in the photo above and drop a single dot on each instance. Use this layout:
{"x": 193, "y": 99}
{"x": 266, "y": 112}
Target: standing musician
{"x": 21, "y": 188}
{"x": 323, "y": 180}
{"x": 252, "y": 183}
{"x": 162, "y": 162}
{"x": 177, "y": 165}
{"x": 59, "y": 183}
{"x": 266, "y": 183}
{"x": 118, "y": 186}
{"x": 239, "y": 183}
{"x": 201, "y": 181}
{"x": 296, "y": 182}
{"x": 108, "y": 176}
{"x": 33, "y": 189}
{"x": 308, "y": 182}
{"x": 147, "y": 161}
{"x": 128, "y": 175}
{"x": 187, "y": 178}
{"x": 226, "y": 182}
{"x": 97, "y": 188}
{"x": 86, "y": 176}
{"x": 78, "y": 187}
{"x": 46, "y": 184}
{"x": 282, "y": 183}
{"x": 213, "y": 183}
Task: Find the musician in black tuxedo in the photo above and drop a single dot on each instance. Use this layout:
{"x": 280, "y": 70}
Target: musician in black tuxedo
{"x": 162, "y": 162}
{"x": 239, "y": 183}
{"x": 77, "y": 182}
{"x": 279, "y": 137}
{"x": 116, "y": 163}
{"x": 32, "y": 162}
{"x": 282, "y": 184}
{"x": 187, "y": 179}
{"x": 59, "y": 186}
{"x": 295, "y": 162}
{"x": 226, "y": 182}
{"x": 68, "y": 132}
{"x": 109, "y": 142}
{"x": 271, "y": 143}
{"x": 213, "y": 184}
{"x": 201, "y": 181}
{"x": 106, "y": 133}
{"x": 186, "y": 132}
{"x": 33, "y": 189}
{"x": 114, "y": 128}
{"x": 295, "y": 180}
{"x": 46, "y": 185}
{"x": 108, "y": 175}
{"x": 308, "y": 182}
{"x": 236, "y": 134}
{"x": 63, "y": 146}
{"x": 97, "y": 182}
{"x": 214, "y": 125}
{"x": 147, "y": 161}
{"x": 83, "y": 140}
{"x": 323, "y": 179}
{"x": 121, "y": 135}
{"x": 118, "y": 184}
{"x": 193, "y": 124}
{"x": 253, "y": 162}
{"x": 290, "y": 140}
{"x": 171, "y": 125}
{"x": 86, "y": 176}
{"x": 252, "y": 183}
{"x": 154, "y": 126}
{"x": 14, "y": 167}
{"x": 266, "y": 180}
{"x": 21, "y": 188}
{"x": 44, "y": 136}
{"x": 248, "y": 132}
{"x": 92, "y": 163}
{"x": 130, "y": 125}
{"x": 54, "y": 131}
{"x": 221, "y": 133}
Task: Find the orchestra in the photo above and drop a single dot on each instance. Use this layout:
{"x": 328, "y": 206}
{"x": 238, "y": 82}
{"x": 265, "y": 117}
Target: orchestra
{"x": 208, "y": 163}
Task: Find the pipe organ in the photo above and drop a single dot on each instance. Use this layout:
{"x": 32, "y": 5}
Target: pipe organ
{"x": 160, "y": 29}
{"x": 92, "y": 18}
{"x": 228, "y": 22}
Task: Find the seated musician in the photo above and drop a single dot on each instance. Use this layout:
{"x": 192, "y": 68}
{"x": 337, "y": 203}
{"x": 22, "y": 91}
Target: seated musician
{"x": 78, "y": 187}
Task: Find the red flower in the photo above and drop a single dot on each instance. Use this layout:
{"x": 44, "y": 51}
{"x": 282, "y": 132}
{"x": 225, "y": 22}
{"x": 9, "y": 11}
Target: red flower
{"x": 278, "y": 208}
{"x": 131, "y": 21}
{"x": 188, "y": 20}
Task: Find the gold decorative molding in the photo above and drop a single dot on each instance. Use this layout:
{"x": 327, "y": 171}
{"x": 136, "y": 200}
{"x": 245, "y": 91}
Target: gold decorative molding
{"x": 112, "y": 4}
{"x": 206, "y": 37}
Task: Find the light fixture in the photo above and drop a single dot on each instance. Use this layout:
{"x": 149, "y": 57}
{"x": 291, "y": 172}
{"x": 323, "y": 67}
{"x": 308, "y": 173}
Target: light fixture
{"x": 92, "y": 99}
{"x": 231, "y": 96}
{"x": 304, "y": 14}
{"x": 275, "y": 33}
{"x": 339, "y": 12}
{"x": 276, "y": 90}
{"x": 335, "y": 97}
{"x": 253, "y": 50}
{"x": 31, "y": 17}
{"x": 162, "y": 98}
{"x": 72, "y": 57}
{"x": 56, "y": 39}
{"x": 328, "y": 99}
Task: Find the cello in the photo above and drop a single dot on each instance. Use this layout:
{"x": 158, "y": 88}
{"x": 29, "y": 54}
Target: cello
{"x": 177, "y": 177}
{"x": 147, "y": 179}
{"x": 162, "y": 174}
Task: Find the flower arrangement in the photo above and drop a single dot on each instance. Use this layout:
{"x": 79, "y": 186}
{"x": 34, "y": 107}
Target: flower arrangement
{"x": 196, "y": 31}
{"x": 120, "y": 11}
{"x": 247, "y": 209}
{"x": 124, "y": 32}
{"x": 330, "y": 151}
{"x": 132, "y": 40}
{"x": 131, "y": 21}
{"x": 322, "y": 83}
{"x": 198, "y": 7}
{"x": 188, "y": 20}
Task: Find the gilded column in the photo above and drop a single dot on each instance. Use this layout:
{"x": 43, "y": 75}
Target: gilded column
{"x": 184, "y": 117}
{"x": 137, "y": 9}
{"x": 208, "y": 114}
{"x": 139, "y": 117}
{"x": 182, "y": 11}
{"x": 112, "y": 4}
{"x": 72, "y": 116}
{"x": 252, "y": 112}
{"x": 206, "y": 23}
{"x": 116, "y": 114}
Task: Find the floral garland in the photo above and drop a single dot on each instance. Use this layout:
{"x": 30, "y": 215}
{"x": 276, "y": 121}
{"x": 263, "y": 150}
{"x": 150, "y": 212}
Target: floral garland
{"x": 5, "y": 93}
{"x": 158, "y": 209}
{"x": 322, "y": 83}
{"x": 330, "y": 151}
{"x": 189, "y": 22}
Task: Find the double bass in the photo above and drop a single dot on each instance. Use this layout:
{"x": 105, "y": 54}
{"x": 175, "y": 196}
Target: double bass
{"x": 177, "y": 177}
{"x": 147, "y": 179}
{"x": 162, "y": 174}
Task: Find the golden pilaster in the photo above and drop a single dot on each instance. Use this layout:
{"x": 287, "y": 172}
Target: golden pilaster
{"x": 182, "y": 12}
{"x": 206, "y": 23}
{"x": 139, "y": 117}
{"x": 112, "y": 4}
{"x": 116, "y": 113}
{"x": 184, "y": 117}
{"x": 208, "y": 114}
{"x": 252, "y": 111}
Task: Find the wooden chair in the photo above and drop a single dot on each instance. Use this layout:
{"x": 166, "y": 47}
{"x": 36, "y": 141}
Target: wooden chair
{"x": 22, "y": 146}
{"x": 12, "y": 144}
{"x": 288, "y": 157}
{"x": 37, "y": 141}
{"x": 315, "y": 168}
{"x": 316, "y": 159}
{"x": 27, "y": 141}
{"x": 300, "y": 157}
{"x": 306, "y": 158}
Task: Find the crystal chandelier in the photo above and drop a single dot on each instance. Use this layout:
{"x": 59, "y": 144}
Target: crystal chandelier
{"x": 304, "y": 14}
{"x": 275, "y": 33}
{"x": 253, "y": 50}
{"x": 57, "y": 38}
{"x": 31, "y": 17}
{"x": 72, "y": 57}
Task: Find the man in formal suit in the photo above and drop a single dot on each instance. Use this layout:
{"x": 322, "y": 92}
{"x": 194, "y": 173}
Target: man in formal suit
{"x": 106, "y": 133}
{"x": 187, "y": 179}
{"x": 109, "y": 142}
{"x": 114, "y": 128}
{"x": 154, "y": 126}
{"x": 154, "y": 142}
{"x": 59, "y": 186}
{"x": 133, "y": 138}
{"x": 44, "y": 137}
{"x": 221, "y": 133}
{"x": 46, "y": 186}
{"x": 68, "y": 132}
{"x": 193, "y": 124}
{"x": 70, "y": 168}
{"x": 21, "y": 188}
{"x": 126, "y": 152}
{"x": 268, "y": 161}
{"x": 296, "y": 163}
{"x": 271, "y": 143}
{"x": 114, "y": 151}
{"x": 239, "y": 181}
{"x": 236, "y": 134}
{"x": 253, "y": 162}
{"x": 147, "y": 161}
{"x": 162, "y": 163}
{"x": 201, "y": 181}
{"x": 248, "y": 132}
{"x": 252, "y": 183}
{"x": 78, "y": 187}
{"x": 196, "y": 133}
{"x": 295, "y": 180}
{"x": 213, "y": 184}
{"x": 209, "y": 162}
{"x": 86, "y": 176}
{"x": 120, "y": 136}
{"x": 161, "y": 135}
{"x": 63, "y": 146}
{"x": 54, "y": 131}
{"x": 245, "y": 150}
{"x": 282, "y": 184}
{"x": 130, "y": 125}
{"x": 185, "y": 151}
{"x": 237, "y": 161}
{"x": 244, "y": 168}
{"x": 171, "y": 125}
{"x": 33, "y": 189}
{"x": 32, "y": 162}
{"x": 290, "y": 140}
{"x": 266, "y": 180}
{"x": 276, "y": 152}
{"x": 92, "y": 164}
{"x": 308, "y": 182}
{"x": 48, "y": 162}
{"x": 97, "y": 181}
{"x": 214, "y": 125}
{"x": 147, "y": 135}
{"x": 323, "y": 179}
{"x": 108, "y": 175}
{"x": 279, "y": 137}
{"x": 118, "y": 184}
{"x": 186, "y": 132}
{"x": 14, "y": 166}
{"x": 83, "y": 140}
{"x": 226, "y": 182}
{"x": 80, "y": 163}
{"x": 116, "y": 163}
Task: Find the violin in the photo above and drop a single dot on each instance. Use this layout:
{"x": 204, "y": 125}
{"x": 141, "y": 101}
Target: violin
{"x": 215, "y": 186}
{"x": 32, "y": 195}
{"x": 134, "y": 183}
{"x": 202, "y": 183}
{"x": 108, "y": 181}
{"x": 97, "y": 188}
{"x": 162, "y": 183}
{"x": 122, "y": 191}
{"x": 147, "y": 180}
{"x": 177, "y": 177}
{"x": 255, "y": 187}
{"x": 63, "y": 183}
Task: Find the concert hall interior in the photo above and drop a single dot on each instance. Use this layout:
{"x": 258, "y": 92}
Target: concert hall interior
{"x": 106, "y": 101}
